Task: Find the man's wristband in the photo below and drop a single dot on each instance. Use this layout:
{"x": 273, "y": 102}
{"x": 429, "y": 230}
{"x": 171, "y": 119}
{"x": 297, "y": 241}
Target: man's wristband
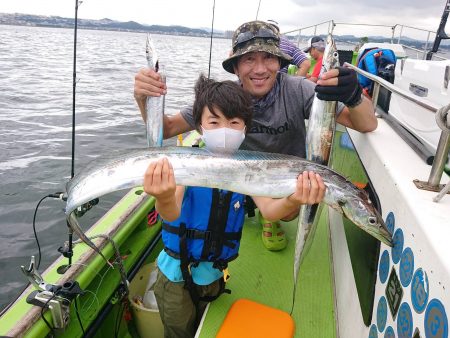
{"x": 356, "y": 98}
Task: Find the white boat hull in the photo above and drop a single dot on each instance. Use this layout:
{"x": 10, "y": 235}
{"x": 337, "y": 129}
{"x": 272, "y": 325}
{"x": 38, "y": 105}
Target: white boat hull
{"x": 420, "y": 256}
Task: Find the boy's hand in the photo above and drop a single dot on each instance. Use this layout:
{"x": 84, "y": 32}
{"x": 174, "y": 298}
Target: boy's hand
{"x": 159, "y": 180}
{"x": 310, "y": 189}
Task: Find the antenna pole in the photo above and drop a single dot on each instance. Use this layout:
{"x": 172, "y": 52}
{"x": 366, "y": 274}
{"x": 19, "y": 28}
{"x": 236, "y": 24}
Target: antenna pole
{"x": 440, "y": 34}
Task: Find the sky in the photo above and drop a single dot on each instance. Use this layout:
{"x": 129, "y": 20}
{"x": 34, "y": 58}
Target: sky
{"x": 229, "y": 14}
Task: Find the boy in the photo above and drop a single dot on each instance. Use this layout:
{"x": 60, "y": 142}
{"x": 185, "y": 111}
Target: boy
{"x": 202, "y": 226}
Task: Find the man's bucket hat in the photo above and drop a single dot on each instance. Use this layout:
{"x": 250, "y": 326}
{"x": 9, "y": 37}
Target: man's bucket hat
{"x": 255, "y": 36}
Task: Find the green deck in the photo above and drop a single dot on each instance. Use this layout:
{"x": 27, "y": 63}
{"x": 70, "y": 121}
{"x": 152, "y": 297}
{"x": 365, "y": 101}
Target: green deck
{"x": 266, "y": 277}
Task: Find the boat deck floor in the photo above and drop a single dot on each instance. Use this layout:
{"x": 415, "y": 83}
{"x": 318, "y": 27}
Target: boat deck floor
{"x": 267, "y": 277}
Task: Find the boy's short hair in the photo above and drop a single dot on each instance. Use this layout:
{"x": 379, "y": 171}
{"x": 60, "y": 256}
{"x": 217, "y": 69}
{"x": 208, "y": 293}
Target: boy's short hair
{"x": 226, "y": 96}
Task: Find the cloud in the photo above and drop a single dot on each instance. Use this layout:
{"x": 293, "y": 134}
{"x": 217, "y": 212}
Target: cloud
{"x": 421, "y": 14}
{"x": 229, "y": 14}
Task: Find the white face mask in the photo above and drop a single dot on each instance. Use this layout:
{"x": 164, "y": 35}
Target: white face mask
{"x": 225, "y": 140}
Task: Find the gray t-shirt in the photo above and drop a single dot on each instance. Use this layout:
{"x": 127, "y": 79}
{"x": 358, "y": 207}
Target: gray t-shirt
{"x": 279, "y": 127}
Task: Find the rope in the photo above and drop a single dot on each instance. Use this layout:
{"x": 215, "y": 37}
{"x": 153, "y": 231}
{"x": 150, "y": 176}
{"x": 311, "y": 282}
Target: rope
{"x": 443, "y": 118}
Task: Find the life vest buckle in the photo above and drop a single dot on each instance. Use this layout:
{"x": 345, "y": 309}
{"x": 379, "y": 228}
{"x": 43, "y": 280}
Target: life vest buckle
{"x": 226, "y": 275}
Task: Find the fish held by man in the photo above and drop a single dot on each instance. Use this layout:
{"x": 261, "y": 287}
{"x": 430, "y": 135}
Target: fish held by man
{"x": 319, "y": 139}
{"x": 155, "y": 105}
{"x": 247, "y": 172}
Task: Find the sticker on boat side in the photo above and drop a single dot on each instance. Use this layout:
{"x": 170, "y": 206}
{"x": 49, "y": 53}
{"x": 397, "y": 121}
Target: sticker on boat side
{"x": 381, "y": 314}
{"x": 406, "y": 267}
{"x": 404, "y": 321}
{"x": 397, "y": 247}
{"x": 373, "y": 331}
{"x": 389, "y": 332}
{"x": 390, "y": 222}
{"x": 413, "y": 281}
{"x": 394, "y": 293}
{"x": 436, "y": 322}
{"x": 383, "y": 269}
{"x": 419, "y": 290}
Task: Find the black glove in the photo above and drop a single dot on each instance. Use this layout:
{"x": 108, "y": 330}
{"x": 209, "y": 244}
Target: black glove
{"x": 347, "y": 91}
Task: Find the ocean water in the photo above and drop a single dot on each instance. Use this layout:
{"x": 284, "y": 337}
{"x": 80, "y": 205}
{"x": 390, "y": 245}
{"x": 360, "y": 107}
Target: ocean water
{"x": 36, "y": 66}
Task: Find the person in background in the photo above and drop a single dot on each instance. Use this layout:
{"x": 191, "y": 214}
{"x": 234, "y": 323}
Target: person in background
{"x": 316, "y": 47}
{"x": 299, "y": 58}
{"x": 281, "y": 103}
{"x": 202, "y": 226}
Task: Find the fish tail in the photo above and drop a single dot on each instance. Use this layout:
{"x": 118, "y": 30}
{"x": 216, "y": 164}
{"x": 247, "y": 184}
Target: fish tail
{"x": 75, "y": 226}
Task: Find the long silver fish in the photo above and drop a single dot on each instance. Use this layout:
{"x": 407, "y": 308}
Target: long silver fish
{"x": 247, "y": 172}
{"x": 155, "y": 105}
{"x": 319, "y": 139}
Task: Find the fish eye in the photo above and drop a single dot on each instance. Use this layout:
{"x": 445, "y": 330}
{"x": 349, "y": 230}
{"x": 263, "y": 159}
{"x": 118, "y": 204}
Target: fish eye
{"x": 372, "y": 220}
{"x": 335, "y": 54}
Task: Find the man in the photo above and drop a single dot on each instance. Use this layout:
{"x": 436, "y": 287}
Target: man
{"x": 316, "y": 47}
{"x": 299, "y": 58}
{"x": 281, "y": 103}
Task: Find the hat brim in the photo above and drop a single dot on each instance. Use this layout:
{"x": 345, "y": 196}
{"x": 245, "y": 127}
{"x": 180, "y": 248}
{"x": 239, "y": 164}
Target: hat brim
{"x": 228, "y": 64}
{"x": 307, "y": 49}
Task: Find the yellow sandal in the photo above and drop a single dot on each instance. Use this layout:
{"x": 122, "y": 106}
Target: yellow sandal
{"x": 273, "y": 236}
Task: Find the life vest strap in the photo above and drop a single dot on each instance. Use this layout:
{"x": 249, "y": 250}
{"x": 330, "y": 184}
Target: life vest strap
{"x": 200, "y": 234}
{"x": 185, "y": 264}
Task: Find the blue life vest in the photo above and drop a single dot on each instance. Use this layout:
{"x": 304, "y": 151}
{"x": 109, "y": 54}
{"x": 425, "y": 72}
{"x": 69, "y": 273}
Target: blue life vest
{"x": 208, "y": 229}
{"x": 373, "y": 60}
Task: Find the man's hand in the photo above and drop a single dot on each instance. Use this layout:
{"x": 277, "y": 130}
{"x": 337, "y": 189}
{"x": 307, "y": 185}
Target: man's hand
{"x": 147, "y": 82}
{"x": 340, "y": 84}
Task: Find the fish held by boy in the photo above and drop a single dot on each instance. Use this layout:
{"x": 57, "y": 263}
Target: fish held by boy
{"x": 319, "y": 139}
{"x": 247, "y": 172}
{"x": 155, "y": 105}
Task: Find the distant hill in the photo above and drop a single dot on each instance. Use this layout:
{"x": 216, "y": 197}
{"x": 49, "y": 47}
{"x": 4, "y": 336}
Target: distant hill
{"x": 108, "y": 24}
{"x": 407, "y": 41}
{"x": 103, "y": 24}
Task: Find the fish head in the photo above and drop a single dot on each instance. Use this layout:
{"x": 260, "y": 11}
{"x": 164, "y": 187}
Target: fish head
{"x": 363, "y": 213}
{"x": 330, "y": 58}
{"x": 150, "y": 52}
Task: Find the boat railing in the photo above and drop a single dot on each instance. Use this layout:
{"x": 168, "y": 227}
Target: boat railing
{"x": 423, "y": 53}
{"x": 442, "y": 120}
{"x": 396, "y": 35}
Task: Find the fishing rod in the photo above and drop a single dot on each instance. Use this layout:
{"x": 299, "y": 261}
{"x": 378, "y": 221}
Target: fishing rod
{"x": 210, "y": 45}
{"x": 68, "y": 251}
{"x": 31, "y": 273}
{"x": 257, "y": 11}
{"x": 74, "y": 84}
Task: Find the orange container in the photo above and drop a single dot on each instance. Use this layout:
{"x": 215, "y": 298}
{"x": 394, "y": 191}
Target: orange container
{"x": 249, "y": 319}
